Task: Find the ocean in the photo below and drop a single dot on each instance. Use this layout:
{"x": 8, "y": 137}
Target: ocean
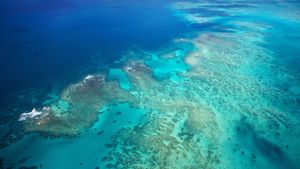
{"x": 149, "y": 84}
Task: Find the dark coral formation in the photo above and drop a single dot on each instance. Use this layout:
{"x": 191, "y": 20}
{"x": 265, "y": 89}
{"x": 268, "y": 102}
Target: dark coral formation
{"x": 153, "y": 145}
{"x": 81, "y": 103}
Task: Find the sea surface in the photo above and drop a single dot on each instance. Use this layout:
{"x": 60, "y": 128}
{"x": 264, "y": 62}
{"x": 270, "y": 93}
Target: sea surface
{"x": 149, "y": 84}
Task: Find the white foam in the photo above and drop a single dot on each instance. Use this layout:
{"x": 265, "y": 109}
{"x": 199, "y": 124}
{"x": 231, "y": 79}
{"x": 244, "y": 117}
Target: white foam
{"x": 127, "y": 68}
{"x": 34, "y": 114}
{"x": 88, "y": 77}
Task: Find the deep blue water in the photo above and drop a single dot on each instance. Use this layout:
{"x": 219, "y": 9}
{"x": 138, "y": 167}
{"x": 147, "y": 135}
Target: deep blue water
{"x": 42, "y": 40}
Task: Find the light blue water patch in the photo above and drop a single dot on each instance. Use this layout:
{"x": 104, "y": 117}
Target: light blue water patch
{"x": 121, "y": 77}
{"x": 176, "y": 50}
{"x": 121, "y": 114}
{"x": 167, "y": 65}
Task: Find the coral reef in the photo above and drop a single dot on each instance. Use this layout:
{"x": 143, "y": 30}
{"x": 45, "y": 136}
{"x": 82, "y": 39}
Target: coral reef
{"x": 222, "y": 101}
{"x": 78, "y": 107}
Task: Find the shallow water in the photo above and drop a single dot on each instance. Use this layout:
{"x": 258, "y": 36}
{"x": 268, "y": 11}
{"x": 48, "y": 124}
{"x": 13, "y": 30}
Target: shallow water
{"x": 150, "y": 84}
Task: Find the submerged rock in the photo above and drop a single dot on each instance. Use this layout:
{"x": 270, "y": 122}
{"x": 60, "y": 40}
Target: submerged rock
{"x": 31, "y": 167}
{"x": 100, "y": 132}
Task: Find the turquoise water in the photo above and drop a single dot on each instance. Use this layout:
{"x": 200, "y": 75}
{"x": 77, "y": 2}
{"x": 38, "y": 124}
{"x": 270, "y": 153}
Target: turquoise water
{"x": 120, "y": 76}
{"x": 223, "y": 93}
